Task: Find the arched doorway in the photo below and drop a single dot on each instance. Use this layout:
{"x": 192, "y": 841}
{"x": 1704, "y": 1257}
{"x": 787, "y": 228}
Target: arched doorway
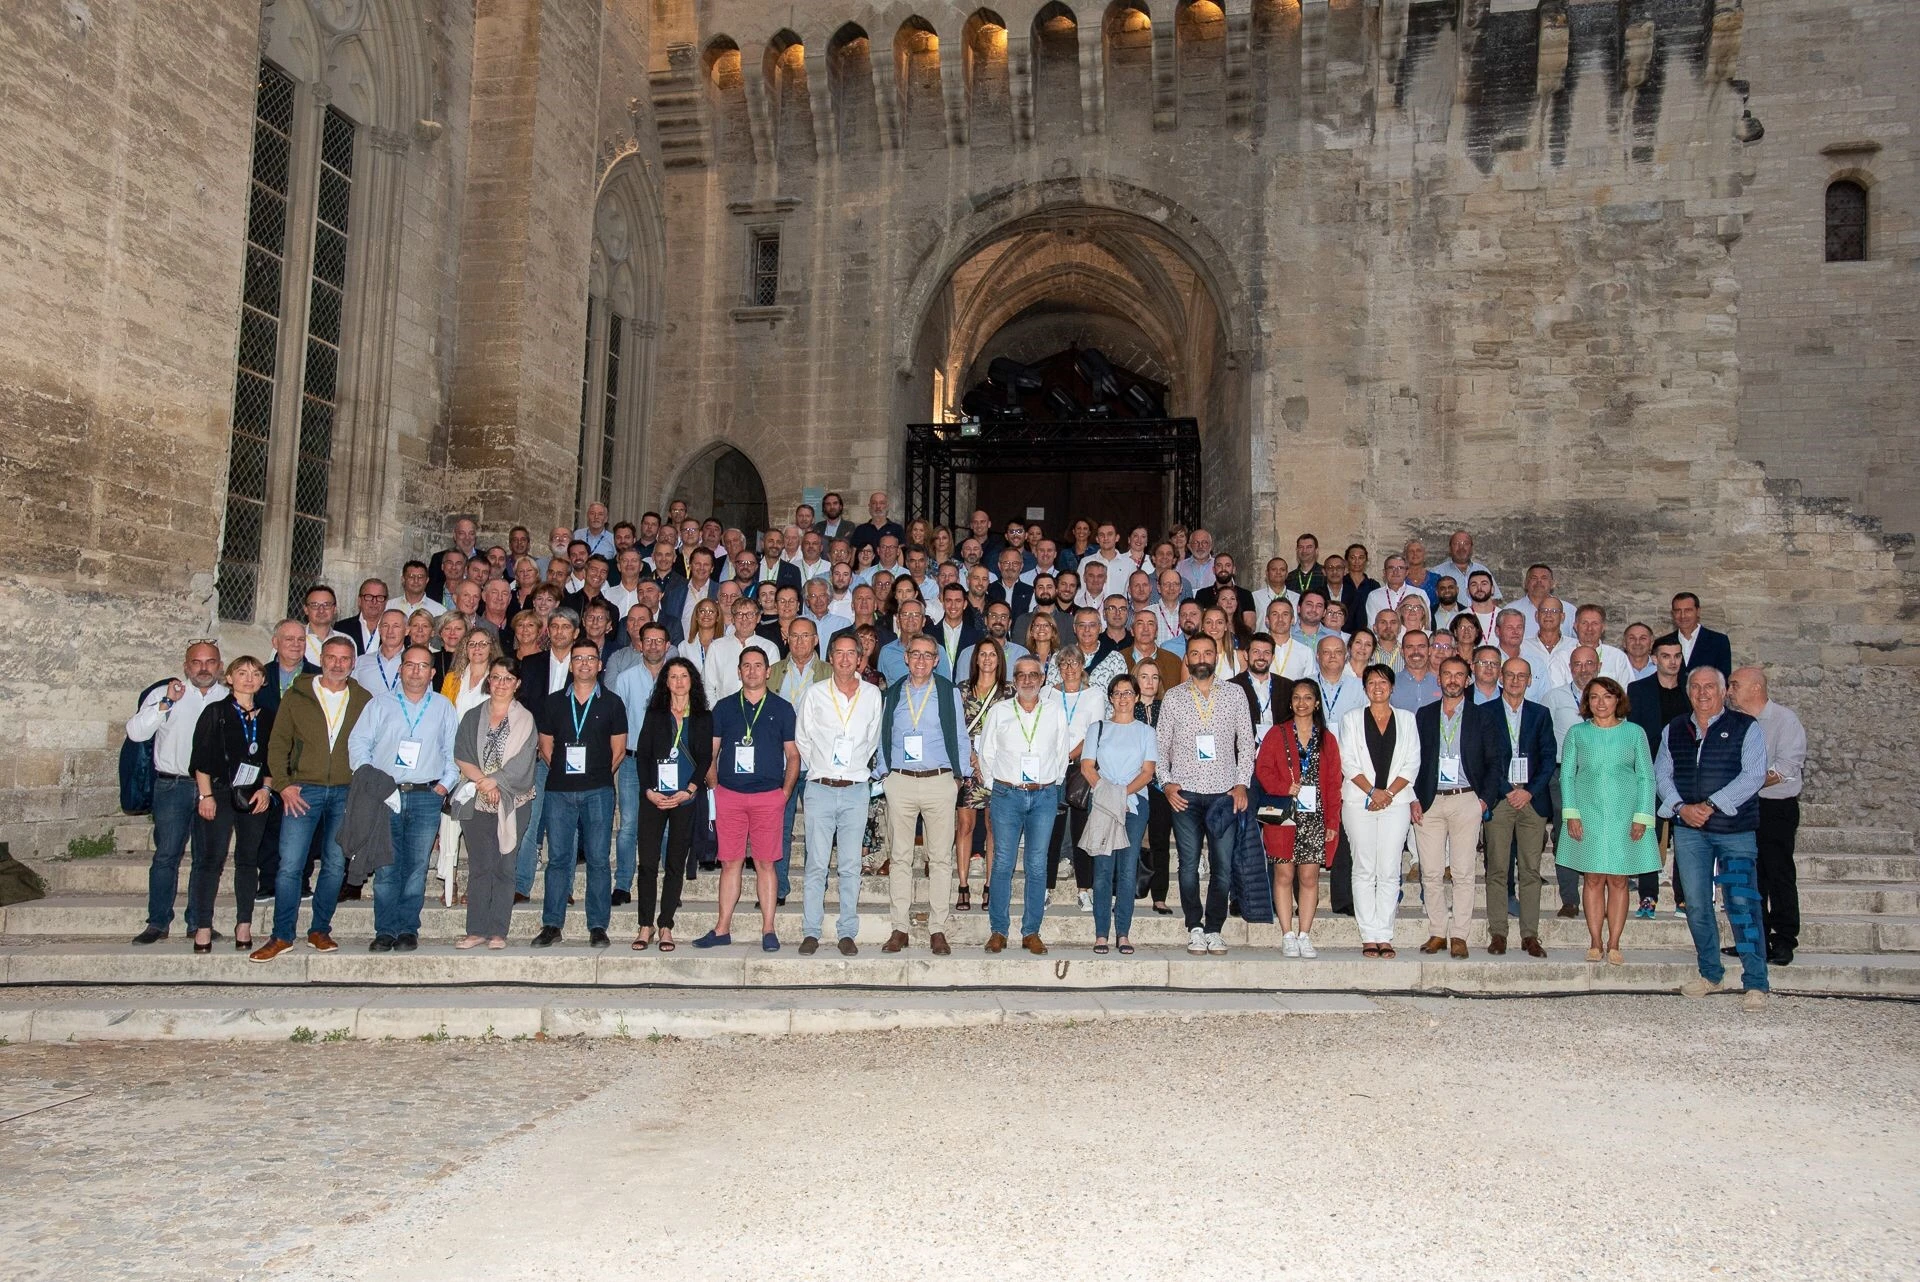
{"x": 723, "y": 483}
{"x": 1061, "y": 267}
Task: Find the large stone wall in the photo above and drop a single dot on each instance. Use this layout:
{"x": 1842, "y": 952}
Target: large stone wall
{"x": 1830, "y": 352}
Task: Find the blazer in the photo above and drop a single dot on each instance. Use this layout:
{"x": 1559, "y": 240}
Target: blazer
{"x": 1281, "y": 710}
{"x": 1019, "y": 601}
{"x": 536, "y": 670}
{"x": 269, "y": 696}
{"x": 1485, "y": 752}
{"x": 364, "y": 638}
{"x": 1710, "y": 650}
{"x": 1427, "y": 722}
{"x": 1355, "y": 759}
{"x": 673, "y": 597}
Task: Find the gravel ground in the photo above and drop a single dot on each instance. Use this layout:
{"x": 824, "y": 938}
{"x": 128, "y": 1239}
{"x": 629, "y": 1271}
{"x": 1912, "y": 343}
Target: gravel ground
{"x": 1613, "y": 1138}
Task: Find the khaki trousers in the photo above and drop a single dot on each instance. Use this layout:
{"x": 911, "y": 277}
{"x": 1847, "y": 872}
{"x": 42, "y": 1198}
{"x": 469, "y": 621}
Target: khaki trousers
{"x": 1504, "y": 826}
{"x": 932, "y": 802}
{"x": 1447, "y": 834}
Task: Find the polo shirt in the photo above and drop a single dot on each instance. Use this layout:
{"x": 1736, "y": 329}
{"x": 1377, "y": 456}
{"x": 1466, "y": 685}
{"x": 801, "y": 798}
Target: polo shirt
{"x": 768, "y": 726}
{"x": 603, "y": 717}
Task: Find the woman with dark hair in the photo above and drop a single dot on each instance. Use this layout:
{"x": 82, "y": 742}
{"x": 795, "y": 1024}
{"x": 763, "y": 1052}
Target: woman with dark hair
{"x": 1607, "y": 808}
{"x": 1301, "y": 760}
{"x": 1466, "y": 633}
{"x": 496, "y": 750}
{"x": 985, "y": 685}
{"x": 1158, "y": 846}
{"x": 1043, "y": 639}
{"x": 1380, "y": 753}
{"x": 229, "y": 764}
{"x": 1118, "y": 762}
{"x": 672, "y": 753}
{"x": 1361, "y": 647}
{"x": 1237, "y": 607}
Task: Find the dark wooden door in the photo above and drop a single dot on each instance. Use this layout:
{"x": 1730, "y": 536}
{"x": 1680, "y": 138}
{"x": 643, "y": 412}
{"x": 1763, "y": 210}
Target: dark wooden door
{"x": 1125, "y": 498}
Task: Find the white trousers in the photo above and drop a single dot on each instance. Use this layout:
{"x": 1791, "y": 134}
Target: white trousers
{"x": 1376, "y": 838}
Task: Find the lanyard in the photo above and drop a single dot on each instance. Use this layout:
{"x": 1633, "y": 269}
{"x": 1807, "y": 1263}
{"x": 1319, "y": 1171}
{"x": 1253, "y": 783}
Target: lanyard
{"x": 1327, "y": 697}
{"x": 1205, "y": 710}
{"x": 1303, "y": 579}
{"x": 1263, "y": 704}
{"x": 286, "y": 680}
{"x": 752, "y": 721}
{"x": 846, "y": 717}
{"x": 413, "y": 722}
{"x": 951, "y": 644}
{"x": 249, "y": 726}
{"x": 679, "y": 728}
{"x": 389, "y": 681}
{"x": 580, "y": 713}
{"x": 1070, "y": 708}
{"x": 1027, "y": 731}
{"x": 1450, "y": 731}
{"x": 1513, "y": 724}
{"x": 914, "y": 710}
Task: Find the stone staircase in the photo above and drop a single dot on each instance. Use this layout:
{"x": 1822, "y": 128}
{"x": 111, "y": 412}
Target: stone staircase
{"x": 1860, "y": 903}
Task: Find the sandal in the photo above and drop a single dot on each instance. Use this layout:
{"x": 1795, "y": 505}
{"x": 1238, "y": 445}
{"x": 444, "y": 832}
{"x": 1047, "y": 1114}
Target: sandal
{"x": 965, "y": 902}
{"x": 1126, "y": 949}
{"x": 496, "y": 941}
{"x": 1099, "y": 950}
{"x": 1386, "y": 950}
{"x": 640, "y": 943}
{"x": 666, "y": 945}
{"x": 470, "y": 941}
{"x": 1370, "y": 950}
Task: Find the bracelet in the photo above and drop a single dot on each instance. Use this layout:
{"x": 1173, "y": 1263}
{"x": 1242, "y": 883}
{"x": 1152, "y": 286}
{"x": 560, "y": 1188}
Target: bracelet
{"x": 206, "y": 796}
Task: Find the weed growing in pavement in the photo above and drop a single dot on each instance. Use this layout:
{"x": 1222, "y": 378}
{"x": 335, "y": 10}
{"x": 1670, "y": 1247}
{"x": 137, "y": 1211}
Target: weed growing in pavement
{"x": 91, "y": 847}
{"x": 439, "y": 1035}
{"x": 303, "y": 1035}
{"x": 338, "y": 1035}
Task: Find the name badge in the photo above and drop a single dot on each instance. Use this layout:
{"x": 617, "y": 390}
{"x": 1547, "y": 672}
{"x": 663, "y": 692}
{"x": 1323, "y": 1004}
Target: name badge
{"x": 407, "y": 755}
{"x": 576, "y": 758}
{"x": 1450, "y": 768}
{"x": 1517, "y": 772}
{"x": 1030, "y": 768}
{"x": 667, "y": 775}
{"x": 245, "y": 773}
{"x": 1309, "y": 798}
{"x": 916, "y": 748}
{"x": 743, "y": 759}
{"x": 1203, "y": 746}
{"x": 843, "y": 750}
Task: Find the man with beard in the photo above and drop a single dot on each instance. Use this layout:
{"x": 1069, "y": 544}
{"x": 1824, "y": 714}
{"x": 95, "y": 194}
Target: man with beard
{"x": 1205, "y": 739}
{"x": 1480, "y": 601}
{"x": 832, "y": 525}
{"x": 167, "y": 717}
{"x": 1188, "y": 628}
{"x": 1313, "y": 612}
{"x": 1043, "y": 603}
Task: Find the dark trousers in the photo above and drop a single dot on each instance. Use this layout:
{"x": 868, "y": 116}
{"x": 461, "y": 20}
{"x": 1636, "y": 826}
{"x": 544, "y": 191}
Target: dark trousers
{"x": 1070, "y": 832}
{"x": 1779, "y": 886}
{"x": 1156, "y": 854}
{"x": 247, "y": 832}
{"x": 1339, "y": 878}
{"x": 678, "y": 826}
{"x": 1649, "y": 886}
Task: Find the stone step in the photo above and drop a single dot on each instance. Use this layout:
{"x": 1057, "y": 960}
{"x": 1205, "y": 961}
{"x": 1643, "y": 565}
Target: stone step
{"x": 1065, "y": 968}
{"x": 1883, "y": 868}
{"x": 368, "y": 1014}
{"x": 104, "y": 917}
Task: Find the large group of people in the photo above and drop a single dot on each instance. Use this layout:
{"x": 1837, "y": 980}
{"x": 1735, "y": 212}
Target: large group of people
{"x": 666, "y": 697}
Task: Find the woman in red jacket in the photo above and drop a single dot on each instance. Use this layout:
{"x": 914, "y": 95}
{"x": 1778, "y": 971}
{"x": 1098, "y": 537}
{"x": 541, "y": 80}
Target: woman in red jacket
{"x": 1300, "y": 759}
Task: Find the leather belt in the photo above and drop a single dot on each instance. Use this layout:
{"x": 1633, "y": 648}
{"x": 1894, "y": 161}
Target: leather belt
{"x": 414, "y": 787}
{"x": 1022, "y": 787}
{"x": 923, "y": 774}
{"x": 1452, "y": 792}
{"x": 834, "y": 783}
{"x": 168, "y": 774}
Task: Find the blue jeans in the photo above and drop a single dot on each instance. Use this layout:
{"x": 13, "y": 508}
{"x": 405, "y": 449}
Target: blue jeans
{"x": 400, "y": 886}
{"x": 1016, "y": 813}
{"x": 1696, "y": 854}
{"x": 527, "y": 859}
{"x": 174, "y": 822}
{"x": 836, "y": 818}
{"x": 1213, "y": 814}
{"x": 783, "y": 865}
{"x": 1115, "y": 876}
{"x": 574, "y": 818}
{"x": 626, "y": 837}
{"x": 326, "y": 807}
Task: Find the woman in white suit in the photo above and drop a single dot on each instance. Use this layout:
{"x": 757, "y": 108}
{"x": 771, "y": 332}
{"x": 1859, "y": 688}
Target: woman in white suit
{"x": 1380, "y": 752}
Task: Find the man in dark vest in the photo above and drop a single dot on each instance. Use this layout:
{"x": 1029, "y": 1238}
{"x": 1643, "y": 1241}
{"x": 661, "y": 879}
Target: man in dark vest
{"x": 1710, "y": 770}
{"x": 923, "y": 752}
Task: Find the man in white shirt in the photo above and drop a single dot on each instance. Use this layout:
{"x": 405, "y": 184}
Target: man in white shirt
{"x": 1539, "y": 590}
{"x": 413, "y": 585}
{"x": 1292, "y": 657}
{"x": 1480, "y": 603}
{"x": 837, "y": 730}
{"x": 1046, "y": 560}
{"x": 1396, "y": 590}
{"x": 1589, "y": 629}
{"x": 1461, "y": 567}
{"x": 625, "y": 594}
{"x": 167, "y": 717}
{"x": 1546, "y": 644}
{"x": 1637, "y": 643}
{"x": 721, "y": 671}
{"x": 1106, "y": 539}
{"x": 378, "y": 670}
{"x": 841, "y": 585}
{"x": 1786, "y": 741}
{"x": 1274, "y": 588}
{"x": 1022, "y": 749}
{"x": 811, "y": 561}
{"x": 1093, "y": 583}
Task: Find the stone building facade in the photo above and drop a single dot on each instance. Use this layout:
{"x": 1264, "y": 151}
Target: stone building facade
{"x": 286, "y": 287}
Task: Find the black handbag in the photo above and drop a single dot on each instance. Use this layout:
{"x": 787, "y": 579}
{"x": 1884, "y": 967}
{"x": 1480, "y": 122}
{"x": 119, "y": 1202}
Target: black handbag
{"x": 1079, "y": 792}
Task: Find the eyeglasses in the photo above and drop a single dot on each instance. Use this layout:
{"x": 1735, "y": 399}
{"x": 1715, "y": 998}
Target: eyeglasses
{"x": 416, "y": 666}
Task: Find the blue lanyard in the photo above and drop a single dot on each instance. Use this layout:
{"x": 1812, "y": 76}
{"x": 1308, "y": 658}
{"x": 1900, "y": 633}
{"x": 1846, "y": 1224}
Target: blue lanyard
{"x": 389, "y": 681}
{"x": 1069, "y": 708}
{"x": 413, "y": 722}
{"x": 580, "y": 714}
{"x": 249, "y": 726}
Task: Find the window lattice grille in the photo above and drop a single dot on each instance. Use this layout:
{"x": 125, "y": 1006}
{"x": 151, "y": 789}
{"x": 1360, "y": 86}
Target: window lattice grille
{"x": 766, "y": 270}
{"x": 1846, "y": 222}
{"x": 238, "y": 575}
{"x": 610, "y": 407}
{"x": 586, "y": 416}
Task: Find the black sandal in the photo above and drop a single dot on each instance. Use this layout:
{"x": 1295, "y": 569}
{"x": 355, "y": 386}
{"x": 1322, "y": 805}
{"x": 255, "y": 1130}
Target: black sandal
{"x": 1163, "y": 910}
{"x": 1126, "y": 950}
{"x": 1099, "y": 950}
{"x": 965, "y": 902}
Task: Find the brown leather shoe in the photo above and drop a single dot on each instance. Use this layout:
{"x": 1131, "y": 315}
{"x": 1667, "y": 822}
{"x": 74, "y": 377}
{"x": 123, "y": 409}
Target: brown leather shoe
{"x": 1497, "y": 945}
{"x": 1457, "y": 947}
{"x": 895, "y": 942}
{"x": 1033, "y": 945}
{"x": 996, "y": 943}
{"x": 1434, "y": 944}
{"x": 848, "y": 948}
{"x": 1532, "y": 946}
{"x": 320, "y": 941}
{"x": 519, "y": 898}
{"x": 1568, "y": 910}
{"x": 939, "y": 943}
{"x": 809, "y": 946}
{"x": 273, "y": 948}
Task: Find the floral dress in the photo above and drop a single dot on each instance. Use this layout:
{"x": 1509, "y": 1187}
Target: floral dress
{"x": 974, "y": 796}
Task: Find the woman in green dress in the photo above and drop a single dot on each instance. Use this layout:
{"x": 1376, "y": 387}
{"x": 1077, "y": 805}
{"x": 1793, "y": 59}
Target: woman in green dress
{"x": 1606, "y": 787}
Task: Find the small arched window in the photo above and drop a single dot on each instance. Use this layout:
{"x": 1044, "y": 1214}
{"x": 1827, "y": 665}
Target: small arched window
{"x": 1846, "y": 222}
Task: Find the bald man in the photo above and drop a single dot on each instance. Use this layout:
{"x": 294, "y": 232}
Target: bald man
{"x": 1786, "y": 741}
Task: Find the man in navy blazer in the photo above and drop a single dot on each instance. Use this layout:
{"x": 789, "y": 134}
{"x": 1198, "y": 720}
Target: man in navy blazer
{"x": 1008, "y": 588}
{"x": 673, "y": 602}
{"x": 1704, "y": 648}
{"x": 1510, "y": 758}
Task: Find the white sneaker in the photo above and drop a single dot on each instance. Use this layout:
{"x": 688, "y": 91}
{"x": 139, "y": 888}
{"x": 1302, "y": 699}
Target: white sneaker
{"x": 1305, "y": 945}
{"x": 1196, "y": 940}
{"x": 1698, "y": 986}
{"x": 1290, "y": 945}
{"x": 1215, "y": 944}
{"x": 1086, "y": 901}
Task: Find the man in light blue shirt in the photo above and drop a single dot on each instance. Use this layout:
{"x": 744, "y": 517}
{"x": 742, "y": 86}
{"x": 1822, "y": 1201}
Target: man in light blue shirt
{"x": 595, "y": 534}
{"x": 408, "y": 737}
{"x": 1340, "y": 690}
{"x": 1000, "y": 628}
{"x": 1460, "y": 566}
{"x": 909, "y": 621}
